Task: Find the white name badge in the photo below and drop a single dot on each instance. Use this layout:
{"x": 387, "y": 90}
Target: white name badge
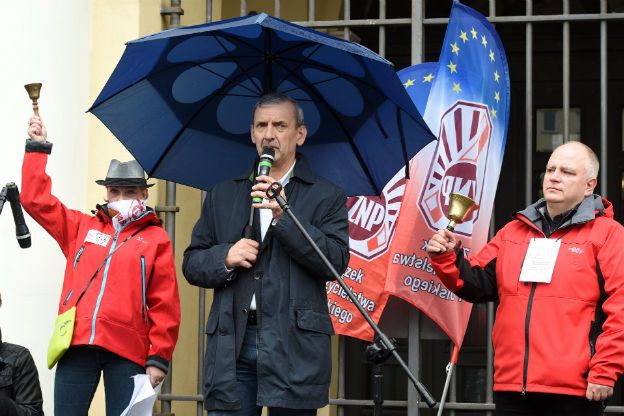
{"x": 539, "y": 261}
{"x": 96, "y": 237}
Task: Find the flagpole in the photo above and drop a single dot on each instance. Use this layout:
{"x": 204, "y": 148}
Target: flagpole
{"x": 449, "y": 373}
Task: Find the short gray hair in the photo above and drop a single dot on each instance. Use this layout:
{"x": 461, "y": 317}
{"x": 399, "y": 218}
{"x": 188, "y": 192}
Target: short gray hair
{"x": 274, "y": 98}
{"x": 592, "y": 164}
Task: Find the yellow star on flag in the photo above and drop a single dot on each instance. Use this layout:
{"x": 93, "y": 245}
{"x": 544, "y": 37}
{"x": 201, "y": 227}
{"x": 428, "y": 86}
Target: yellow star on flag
{"x": 452, "y": 66}
{"x": 428, "y": 78}
{"x": 493, "y": 111}
{"x": 496, "y": 76}
{"x": 491, "y": 55}
{"x": 463, "y": 36}
{"x": 483, "y": 41}
{"x": 497, "y": 96}
{"x": 456, "y": 87}
{"x": 455, "y": 48}
{"x": 474, "y": 33}
{"x": 408, "y": 83}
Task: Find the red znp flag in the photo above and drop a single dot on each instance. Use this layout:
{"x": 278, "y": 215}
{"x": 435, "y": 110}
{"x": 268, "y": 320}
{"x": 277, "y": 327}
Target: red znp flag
{"x": 372, "y": 223}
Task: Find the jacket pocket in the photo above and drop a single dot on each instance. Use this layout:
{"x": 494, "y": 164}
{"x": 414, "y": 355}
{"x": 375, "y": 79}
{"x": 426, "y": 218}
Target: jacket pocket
{"x": 212, "y": 353}
{"x": 213, "y": 321}
{"x": 143, "y": 290}
{"x": 310, "y": 320}
{"x": 68, "y": 296}
{"x": 594, "y": 332}
{"x": 78, "y": 254}
{"x": 309, "y": 348}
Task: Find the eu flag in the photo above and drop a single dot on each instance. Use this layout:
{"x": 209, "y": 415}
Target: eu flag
{"x": 472, "y": 68}
{"x": 417, "y": 80}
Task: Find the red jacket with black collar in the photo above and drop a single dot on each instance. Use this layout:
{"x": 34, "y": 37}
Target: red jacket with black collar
{"x": 555, "y": 337}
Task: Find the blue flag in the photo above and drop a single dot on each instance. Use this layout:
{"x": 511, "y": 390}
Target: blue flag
{"x": 417, "y": 80}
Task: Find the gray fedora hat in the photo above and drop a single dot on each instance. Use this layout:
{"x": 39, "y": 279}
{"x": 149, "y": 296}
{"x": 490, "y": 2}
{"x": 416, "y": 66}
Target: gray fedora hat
{"x": 124, "y": 174}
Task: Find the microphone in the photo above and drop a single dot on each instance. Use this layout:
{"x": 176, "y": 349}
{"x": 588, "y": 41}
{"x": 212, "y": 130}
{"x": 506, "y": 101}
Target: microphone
{"x": 264, "y": 166}
{"x": 21, "y": 230}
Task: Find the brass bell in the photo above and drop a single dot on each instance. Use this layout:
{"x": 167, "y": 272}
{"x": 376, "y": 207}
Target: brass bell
{"x": 34, "y": 90}
{"x": 459, "y": 209}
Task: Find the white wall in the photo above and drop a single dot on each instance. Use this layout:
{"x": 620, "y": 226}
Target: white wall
{"x": 46, "y": 42}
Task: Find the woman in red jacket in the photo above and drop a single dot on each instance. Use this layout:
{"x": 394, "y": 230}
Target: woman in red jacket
{"x": 128, "y": 312}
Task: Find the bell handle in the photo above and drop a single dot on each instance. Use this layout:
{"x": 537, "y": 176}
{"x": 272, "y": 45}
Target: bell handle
{"x": 35, "y": 107}
{"x": 33, "y": 93}
{"x": 451, "y": 225}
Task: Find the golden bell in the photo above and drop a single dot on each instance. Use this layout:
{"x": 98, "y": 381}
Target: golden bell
{"x": 459, "y": 209}
{"x": 34, "y": 90}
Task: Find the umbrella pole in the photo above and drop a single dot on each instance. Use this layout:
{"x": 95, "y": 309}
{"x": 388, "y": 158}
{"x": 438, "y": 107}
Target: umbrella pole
{"x": 449, "y": 373}
{"x": 274, "y": 193}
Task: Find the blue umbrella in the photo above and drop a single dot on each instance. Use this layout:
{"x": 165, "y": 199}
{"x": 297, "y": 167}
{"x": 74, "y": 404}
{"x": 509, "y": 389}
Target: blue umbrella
{"x": 181, "y": 101}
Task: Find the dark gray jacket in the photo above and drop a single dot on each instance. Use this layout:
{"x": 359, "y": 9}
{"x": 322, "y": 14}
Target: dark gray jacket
{"x": 294, "y": 349}
{"x": 20, "y": 393}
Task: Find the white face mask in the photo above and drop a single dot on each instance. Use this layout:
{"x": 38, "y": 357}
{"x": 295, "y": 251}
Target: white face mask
{"x": 126, "y": 210}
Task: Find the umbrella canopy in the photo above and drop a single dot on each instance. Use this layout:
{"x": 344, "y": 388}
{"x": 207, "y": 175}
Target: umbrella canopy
{"x": 181, "y": 101}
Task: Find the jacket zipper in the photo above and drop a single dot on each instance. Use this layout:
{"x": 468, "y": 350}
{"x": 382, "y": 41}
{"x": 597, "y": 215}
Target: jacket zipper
{"x": 78, "y": 254}
{"x": 143, "y": 289}
{"x": 103, "y": 286}
{"x": 76, "y": 260}
{"x": 530, "y": 302}
{"x": 68, "y": 296}
{"x": 526, "y": 338}
{"x": 105, "y": 276}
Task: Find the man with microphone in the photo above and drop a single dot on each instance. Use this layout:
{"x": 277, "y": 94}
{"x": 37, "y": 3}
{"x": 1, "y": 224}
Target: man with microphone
{"x": 269, "y": 332}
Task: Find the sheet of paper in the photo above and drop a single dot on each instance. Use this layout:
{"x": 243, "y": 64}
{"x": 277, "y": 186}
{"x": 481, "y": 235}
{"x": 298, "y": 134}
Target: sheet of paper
{"x": 540, "y": 259}
{"x": 143, "y": 397}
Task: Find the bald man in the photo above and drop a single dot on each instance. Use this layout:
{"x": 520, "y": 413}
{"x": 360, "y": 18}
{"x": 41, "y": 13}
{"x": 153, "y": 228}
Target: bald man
{"x": 557, "y": 273}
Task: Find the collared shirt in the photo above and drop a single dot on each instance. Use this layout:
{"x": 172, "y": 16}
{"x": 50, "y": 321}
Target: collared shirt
{"x": 266, "y": 219}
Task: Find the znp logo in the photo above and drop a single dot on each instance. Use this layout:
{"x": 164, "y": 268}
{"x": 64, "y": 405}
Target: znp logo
{"x": 372, "y": 219}
{"x": 458, "y": 164}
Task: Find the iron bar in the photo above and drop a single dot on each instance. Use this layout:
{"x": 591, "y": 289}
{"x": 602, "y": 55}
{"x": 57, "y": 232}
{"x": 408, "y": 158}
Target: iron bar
{"x": 589, "y": 17}
{"x": 413, "y": 359}
{"x": 347, "y": 16}
{"x": 174, "y": 12}
{"x": 604, "y": 147}
{"x": 382, "y": 29}
{"x": 566, "y": 73}
{"x": 528, "y": 104}
{"x": 341, "y": 372}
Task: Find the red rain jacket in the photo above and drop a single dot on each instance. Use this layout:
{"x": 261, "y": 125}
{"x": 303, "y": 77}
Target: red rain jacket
{"x": 132, "y": 307}
{"x": 550, "y": 338}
